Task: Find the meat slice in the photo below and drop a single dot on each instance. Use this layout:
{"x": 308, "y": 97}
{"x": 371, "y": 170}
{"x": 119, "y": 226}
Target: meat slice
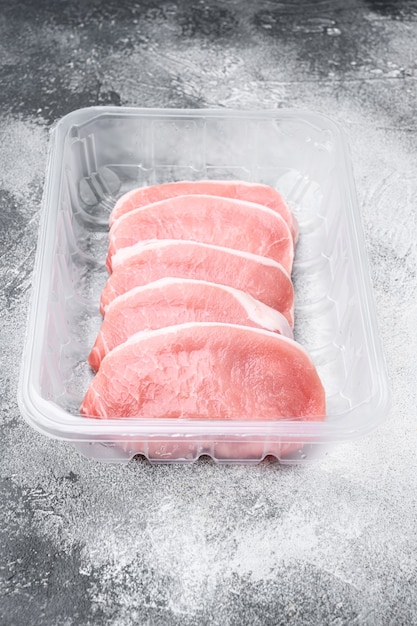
{"x": 224, "y": 222}
{"x": 207, "y": 370}
{"x": 251, "y": 192}
{"x": 264, "y": 279}
{"x": 170, "y": 301}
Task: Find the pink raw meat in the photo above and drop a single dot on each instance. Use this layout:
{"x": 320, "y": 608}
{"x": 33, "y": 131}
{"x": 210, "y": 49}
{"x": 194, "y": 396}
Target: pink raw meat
{"x": 220, "y": 221}
{"x": 264, "y": 279}
{"x": 251, "y": 192}
{"x": 207, "y": 370}
{"x": 170, "y": 301}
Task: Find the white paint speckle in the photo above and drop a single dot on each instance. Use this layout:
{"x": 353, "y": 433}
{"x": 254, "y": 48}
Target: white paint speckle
{"x": 22, "y": 155}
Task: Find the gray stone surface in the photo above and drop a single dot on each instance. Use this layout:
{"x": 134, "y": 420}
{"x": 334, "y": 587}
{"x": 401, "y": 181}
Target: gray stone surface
{"x": 331, "y": 543}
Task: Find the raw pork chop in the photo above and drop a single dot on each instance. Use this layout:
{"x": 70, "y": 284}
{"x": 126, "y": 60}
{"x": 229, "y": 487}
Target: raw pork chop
{"x": 172, "y": 301}
{"x": 251, "y": 192}
{"x": 207, "y": 370}
{"x": 264, "y": 279}
{"x": 208, "y": 219}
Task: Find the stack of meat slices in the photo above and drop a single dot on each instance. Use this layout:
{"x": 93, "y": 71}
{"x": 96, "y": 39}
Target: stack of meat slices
{"x": 198, "y": 308}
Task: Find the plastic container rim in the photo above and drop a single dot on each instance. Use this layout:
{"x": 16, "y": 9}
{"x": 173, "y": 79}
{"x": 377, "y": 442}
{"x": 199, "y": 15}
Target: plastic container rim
{"x": 55, "y": 422}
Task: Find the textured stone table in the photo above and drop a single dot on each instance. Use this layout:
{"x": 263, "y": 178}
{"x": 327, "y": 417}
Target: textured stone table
{"x": 331, "y": 543}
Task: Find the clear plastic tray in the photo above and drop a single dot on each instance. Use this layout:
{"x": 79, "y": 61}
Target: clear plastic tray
{"x": 96, "y": 155}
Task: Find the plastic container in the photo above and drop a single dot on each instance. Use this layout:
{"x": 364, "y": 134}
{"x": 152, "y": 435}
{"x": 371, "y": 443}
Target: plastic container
{"x": 96, "y": 155}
